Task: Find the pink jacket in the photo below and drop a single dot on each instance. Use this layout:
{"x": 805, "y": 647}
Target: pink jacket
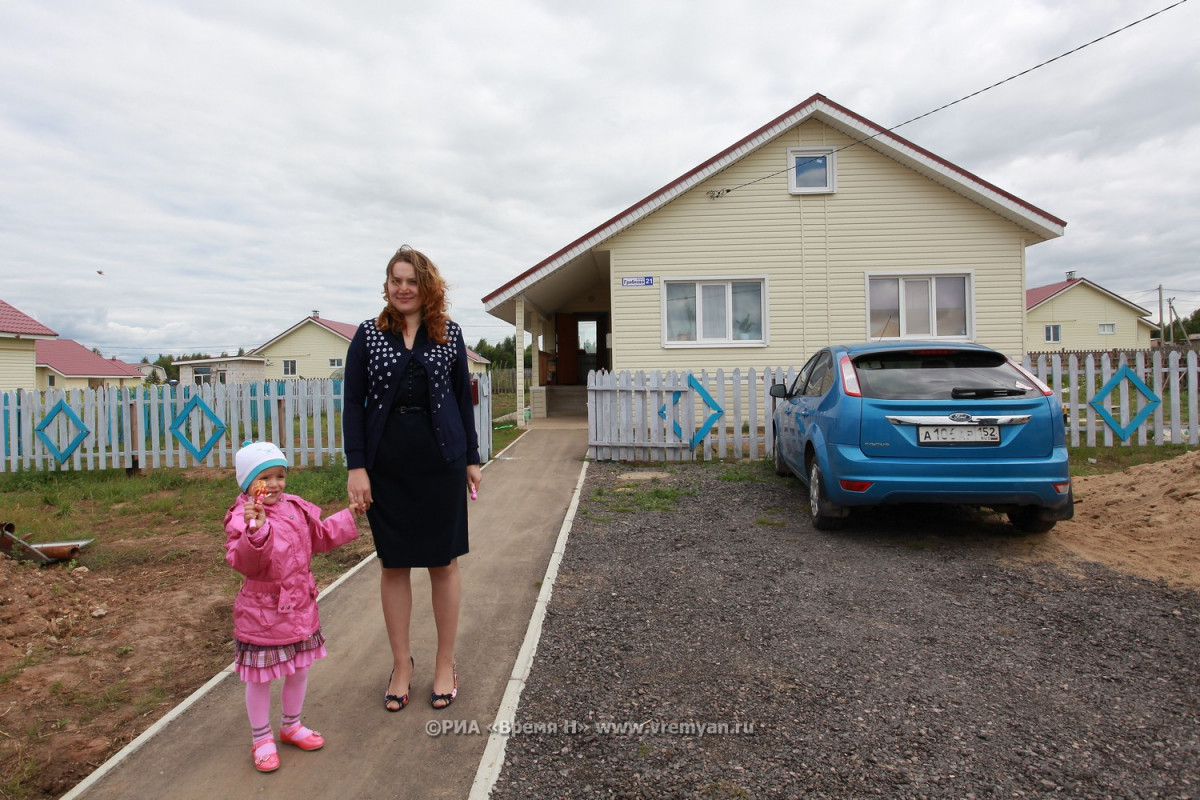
{"x": 278, "y": 600}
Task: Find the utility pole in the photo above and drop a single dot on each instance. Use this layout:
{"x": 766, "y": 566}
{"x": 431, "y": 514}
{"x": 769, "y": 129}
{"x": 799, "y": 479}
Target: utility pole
{"x": 1161, "y": 329}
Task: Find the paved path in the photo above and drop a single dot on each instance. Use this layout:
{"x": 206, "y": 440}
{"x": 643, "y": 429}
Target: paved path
{"x": 202, "y": 751}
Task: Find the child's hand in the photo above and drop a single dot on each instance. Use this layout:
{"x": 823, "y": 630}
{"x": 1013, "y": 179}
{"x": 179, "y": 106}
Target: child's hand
{"x": 358, "y": 509}
{"x": 255, "y": 514}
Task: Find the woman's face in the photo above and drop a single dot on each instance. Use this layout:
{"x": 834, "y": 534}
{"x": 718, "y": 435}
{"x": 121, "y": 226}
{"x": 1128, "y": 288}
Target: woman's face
{"x": 403, "y": 292}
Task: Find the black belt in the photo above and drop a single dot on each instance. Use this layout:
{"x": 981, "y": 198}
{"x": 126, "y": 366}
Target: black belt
{"x": 410, "y": 410}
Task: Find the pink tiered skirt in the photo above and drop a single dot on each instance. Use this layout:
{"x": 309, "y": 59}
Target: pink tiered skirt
{"x": 258, "y": 663}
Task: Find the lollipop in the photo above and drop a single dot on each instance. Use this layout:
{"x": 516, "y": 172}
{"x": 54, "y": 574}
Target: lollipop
{"x": 259, "y": 488}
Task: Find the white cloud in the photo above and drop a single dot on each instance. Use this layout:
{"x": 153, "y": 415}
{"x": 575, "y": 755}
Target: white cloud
{"x": 231, "y": 167}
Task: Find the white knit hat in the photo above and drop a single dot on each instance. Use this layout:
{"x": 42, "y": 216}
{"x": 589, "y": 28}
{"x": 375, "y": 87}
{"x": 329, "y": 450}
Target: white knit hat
{"x": 253, "y": 458}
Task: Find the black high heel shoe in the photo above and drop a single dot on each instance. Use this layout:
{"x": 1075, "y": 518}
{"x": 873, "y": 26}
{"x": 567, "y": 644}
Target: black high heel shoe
{"x": 400, "y": 700}
{"x": 445, "y": 699}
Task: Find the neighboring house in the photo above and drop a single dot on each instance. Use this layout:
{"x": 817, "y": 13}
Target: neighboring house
{"x": 66, "y": 364}
{"x": 312, "y": 349}
{"x": 1079, "y": 315}
{"x": 222, "y": 369}
{"x": 19, "y": 334}
{"x": 159, "y": 372}
{"x": 819, "y": 226}
{"x": 477, "y": 364}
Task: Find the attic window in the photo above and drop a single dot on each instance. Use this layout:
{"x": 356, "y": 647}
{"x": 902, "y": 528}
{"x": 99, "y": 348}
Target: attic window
{"x": 812, "y": 170}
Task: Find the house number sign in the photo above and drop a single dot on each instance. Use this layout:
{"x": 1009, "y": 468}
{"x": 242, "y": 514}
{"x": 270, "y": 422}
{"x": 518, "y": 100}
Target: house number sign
{"x": 646, "y": 281}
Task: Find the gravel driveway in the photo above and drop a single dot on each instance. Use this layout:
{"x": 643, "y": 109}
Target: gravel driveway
{"x": 909, "y": 656}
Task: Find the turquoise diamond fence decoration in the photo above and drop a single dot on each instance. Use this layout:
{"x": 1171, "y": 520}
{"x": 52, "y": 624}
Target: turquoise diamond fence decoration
{"x": 716, "y": 414}
{"x": 219, "y": 427}
{"x": 1099, "y": 402}
{"x": 82, "y": 431}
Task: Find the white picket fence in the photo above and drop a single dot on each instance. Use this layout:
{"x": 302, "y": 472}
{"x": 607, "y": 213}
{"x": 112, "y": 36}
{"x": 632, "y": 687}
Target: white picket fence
{"x": 153, "y": 427}
{"x": 671, "y": 416}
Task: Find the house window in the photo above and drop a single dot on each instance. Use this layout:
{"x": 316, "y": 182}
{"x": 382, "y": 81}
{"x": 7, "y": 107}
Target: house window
{"x": 812, "y": 170}
{"x": 1107, "y": 328}
{"x": 714, "y": 312}
{"x": 50, "y": 381}
{"x": 289, "y": 367}
{"x": 1054, "y": 334}
{"x": 918, "y": 306}
{"x": 335, "y": 362}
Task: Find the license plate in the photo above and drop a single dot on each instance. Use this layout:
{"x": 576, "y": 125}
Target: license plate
{"x": 957, "y": 434}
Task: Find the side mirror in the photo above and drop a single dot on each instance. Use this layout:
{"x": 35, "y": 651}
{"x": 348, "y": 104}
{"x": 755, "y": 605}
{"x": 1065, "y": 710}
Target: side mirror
{"x": 778, "y": 390}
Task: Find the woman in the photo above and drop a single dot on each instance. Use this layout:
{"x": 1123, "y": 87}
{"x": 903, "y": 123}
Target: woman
{"x": 413, "y": 454}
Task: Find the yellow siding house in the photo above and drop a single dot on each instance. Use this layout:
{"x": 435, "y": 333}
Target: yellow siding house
{"x": 66, "y": 364}
{"x": 19, "y": 334}
{"x": 1078, "y": 315}
{"x": 820, "y": 226}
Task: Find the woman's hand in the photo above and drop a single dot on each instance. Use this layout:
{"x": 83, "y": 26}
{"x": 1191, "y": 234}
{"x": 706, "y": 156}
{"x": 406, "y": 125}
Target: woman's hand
{"x": 358, "y": 489}
{"x": 474, "y": 476}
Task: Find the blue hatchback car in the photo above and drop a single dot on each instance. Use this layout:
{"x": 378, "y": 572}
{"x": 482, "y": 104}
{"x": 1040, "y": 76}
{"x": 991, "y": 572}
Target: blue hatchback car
{"x": 923, "y": 422}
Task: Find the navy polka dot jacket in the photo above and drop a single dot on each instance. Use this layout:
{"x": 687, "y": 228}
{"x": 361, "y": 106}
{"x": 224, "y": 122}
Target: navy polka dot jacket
{"x": 375, "y": 361}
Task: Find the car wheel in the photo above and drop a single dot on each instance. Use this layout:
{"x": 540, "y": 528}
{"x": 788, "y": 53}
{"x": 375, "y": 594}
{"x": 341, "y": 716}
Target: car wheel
{"x": 1026, "y": 520}
{"x": 824, "y": 515}
{"x": 781, "y": 467}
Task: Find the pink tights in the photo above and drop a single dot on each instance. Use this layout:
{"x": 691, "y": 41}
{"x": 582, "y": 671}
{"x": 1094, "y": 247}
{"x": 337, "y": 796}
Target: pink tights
{"x": 258, "y": 703}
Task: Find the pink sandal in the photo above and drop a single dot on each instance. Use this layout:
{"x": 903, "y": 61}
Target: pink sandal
{"x": 267, "y": 763}
{"x": 314, "y": 740}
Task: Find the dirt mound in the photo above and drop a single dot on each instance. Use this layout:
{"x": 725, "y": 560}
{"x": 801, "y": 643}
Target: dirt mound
{"x": 1142, "y": 521}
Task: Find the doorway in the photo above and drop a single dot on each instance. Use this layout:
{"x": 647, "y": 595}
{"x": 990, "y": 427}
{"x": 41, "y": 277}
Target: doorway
{"x": 582, "y": 341}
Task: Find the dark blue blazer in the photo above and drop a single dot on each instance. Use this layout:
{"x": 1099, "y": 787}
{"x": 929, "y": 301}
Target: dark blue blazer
{"x": 375, "y": 361}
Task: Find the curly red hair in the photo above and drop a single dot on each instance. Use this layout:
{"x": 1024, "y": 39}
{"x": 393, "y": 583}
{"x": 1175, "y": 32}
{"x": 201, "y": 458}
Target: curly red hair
{"x": 434, "y": 306}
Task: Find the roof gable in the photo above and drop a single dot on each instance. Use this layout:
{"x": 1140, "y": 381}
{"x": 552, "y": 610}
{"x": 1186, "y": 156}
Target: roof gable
{"x": 71, "y": 359}
{"x": 1040, "y": 294}
{"x": 342, "y": 329}
{"x": 15, "y": 323}
{"x": 864, "y": 132}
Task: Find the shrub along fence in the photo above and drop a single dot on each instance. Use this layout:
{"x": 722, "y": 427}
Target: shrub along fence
{"x": 1136, "y": 398}
{"x": 153, "y": 427}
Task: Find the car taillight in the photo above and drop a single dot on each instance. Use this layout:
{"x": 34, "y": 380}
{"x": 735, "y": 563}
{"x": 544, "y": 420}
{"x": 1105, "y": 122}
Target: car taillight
{"x": 849, "y": 378}
{"x": 856, "y": 486}
{"x": 1043, "y": 388}
{"x": 1062, "y": 488}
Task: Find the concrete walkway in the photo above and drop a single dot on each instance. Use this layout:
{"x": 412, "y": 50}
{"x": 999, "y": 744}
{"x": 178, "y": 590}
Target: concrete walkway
{"x": 202, "y": 750}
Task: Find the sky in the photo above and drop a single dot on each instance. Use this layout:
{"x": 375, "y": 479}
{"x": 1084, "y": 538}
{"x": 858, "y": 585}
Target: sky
{"x": 199, "y": 176}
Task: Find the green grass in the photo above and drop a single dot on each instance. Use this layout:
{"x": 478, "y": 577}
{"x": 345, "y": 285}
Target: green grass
{"x": 1103, "y": 460}
{"x": 639, "y": 497}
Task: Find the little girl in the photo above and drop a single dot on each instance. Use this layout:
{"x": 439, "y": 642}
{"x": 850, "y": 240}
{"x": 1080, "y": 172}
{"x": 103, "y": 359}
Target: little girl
{"x": 270, "y": 539}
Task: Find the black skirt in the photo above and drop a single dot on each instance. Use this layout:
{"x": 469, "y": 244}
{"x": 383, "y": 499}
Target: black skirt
{"x": 418, "y": 513}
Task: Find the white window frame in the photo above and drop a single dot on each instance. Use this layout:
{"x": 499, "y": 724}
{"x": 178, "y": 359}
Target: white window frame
{"x": 730, "y": 340}
{"x": 1106, "y": 328}
{"x": 335, "y": 362}
{"x": 289, "y": 367}
{"x": 830, "y": 155}
{"x": 930, "y": 275}
{"x": 1053, "y": 333}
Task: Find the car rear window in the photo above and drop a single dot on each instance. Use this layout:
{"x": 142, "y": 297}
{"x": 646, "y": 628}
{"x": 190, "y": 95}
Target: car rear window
{"x": 940, "y": 375}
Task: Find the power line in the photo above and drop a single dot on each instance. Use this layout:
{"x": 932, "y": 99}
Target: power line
{"x": 718, "y": 193}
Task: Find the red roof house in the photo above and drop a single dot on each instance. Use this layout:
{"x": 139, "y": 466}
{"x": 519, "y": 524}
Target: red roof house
{"x": 66, "y": 364}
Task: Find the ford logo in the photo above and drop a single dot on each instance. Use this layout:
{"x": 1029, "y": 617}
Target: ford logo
{"x": 959, "y": 416}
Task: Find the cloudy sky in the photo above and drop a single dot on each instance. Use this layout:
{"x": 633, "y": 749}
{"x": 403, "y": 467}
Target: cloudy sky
{"x": 197, "y": 176}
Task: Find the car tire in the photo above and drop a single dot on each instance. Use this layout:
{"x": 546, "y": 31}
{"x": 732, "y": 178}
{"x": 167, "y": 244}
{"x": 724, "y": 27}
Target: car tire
{"x": 824, "y": 515}
{"x": 781, "y": 467}
{"x": 1026, "y": 520}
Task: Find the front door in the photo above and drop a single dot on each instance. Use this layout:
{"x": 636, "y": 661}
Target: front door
{"x": 566, "y": 330}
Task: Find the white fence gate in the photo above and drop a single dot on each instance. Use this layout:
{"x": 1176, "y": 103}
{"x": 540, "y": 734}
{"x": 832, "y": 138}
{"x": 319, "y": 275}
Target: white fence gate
{"x": 677, "y": 416}
{"x": 183, "y": 426}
